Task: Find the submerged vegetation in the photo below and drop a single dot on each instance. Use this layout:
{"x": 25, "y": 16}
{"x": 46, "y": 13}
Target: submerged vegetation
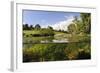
{"x": 47, "y": 44}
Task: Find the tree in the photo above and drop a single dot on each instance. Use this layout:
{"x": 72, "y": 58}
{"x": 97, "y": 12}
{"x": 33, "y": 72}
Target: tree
{"x": 82, "y": 25}
{"x": 78, "y": 24}
{"x": 86, "y": 21}
{"x": 31, "y": 27}
{"x": 72, "y": 28}
{"x": 37, "y": 26}
{"x": 25, "y": 27}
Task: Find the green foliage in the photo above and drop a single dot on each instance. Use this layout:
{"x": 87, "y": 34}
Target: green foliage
{"x": 86, "y": 21}
{"x": 37, "y": 26}
{"x": 25, "y": 27}
{"x": 72, "y": 28}
{"x": 44, "y": 52}
{"x": 55, "y": 52}
{"x": 31, "y": 27}
{"x": 37, "y": 33}
{"x": 82, "y": 25}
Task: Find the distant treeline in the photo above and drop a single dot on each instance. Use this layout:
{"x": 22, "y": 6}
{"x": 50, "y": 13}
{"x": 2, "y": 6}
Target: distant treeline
{"x": 38, "y": 27}
{"x": 37, "y": 31}
{"x": 31, "y": 27}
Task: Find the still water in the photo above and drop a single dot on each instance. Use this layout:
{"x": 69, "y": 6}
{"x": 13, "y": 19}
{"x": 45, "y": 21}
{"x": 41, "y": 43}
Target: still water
{"x": 49, "y": 39}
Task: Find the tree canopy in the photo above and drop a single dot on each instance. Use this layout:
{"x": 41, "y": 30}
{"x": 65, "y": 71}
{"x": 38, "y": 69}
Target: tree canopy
{"x": 37, "y": 26}
{"x": 81, "y": 25}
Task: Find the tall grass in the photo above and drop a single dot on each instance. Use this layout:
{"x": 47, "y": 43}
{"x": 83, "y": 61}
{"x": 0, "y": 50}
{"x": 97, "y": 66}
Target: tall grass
{"x": 55, "y": 52}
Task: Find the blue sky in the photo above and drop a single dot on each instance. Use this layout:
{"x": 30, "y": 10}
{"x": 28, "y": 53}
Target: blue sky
{"x": 45, "y": 18}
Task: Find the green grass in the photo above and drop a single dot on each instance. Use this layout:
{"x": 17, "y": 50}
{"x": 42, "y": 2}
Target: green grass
{"x": 55, "y": 52}
{"x": 37, "y": 39}
{"x": 39, "y": 32}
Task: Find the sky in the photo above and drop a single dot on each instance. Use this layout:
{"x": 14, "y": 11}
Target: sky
{"x": 57, "y": 20}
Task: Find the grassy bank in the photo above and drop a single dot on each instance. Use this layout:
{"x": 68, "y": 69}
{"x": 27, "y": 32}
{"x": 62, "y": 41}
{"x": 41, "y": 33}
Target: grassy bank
{"x": 38, "y": 33}
{"x": 54, "y": 52}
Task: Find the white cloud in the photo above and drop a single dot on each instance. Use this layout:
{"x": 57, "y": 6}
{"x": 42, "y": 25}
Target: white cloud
{"x": 45, "y": 26}
{"x": 63, "y": 25}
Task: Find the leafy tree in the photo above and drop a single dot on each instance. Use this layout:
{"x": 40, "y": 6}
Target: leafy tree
{"x": 37, "y": 26}
{"x": 31, "y": 27}
{"x": 25, "y": 27}
{"x": 82, "y": 25}
{"x": 86, "y": 21}
{"x": 78, "y": 24}
{"x": 72, "y": 28}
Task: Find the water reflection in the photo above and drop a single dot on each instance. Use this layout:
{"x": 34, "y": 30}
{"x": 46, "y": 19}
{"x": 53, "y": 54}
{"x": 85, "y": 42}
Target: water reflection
{"x": 49, "y": 39}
